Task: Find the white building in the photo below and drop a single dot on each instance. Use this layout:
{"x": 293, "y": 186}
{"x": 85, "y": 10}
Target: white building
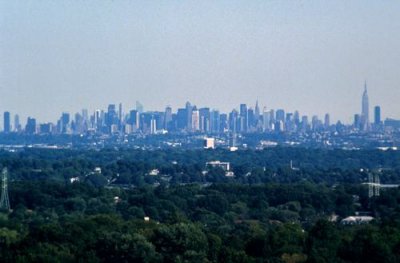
{"x": 209, "y": 143}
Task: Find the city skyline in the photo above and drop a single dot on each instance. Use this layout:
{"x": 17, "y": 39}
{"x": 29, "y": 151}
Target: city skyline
{"x": 309, "y": 56}
{"x": 363, "y": 115}
{"x": 191, "y": 118}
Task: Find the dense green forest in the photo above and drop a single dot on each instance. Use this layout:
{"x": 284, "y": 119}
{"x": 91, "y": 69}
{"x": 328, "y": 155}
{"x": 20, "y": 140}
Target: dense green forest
{"x": 131, "y": 167}
{"x": 267, "y": 212}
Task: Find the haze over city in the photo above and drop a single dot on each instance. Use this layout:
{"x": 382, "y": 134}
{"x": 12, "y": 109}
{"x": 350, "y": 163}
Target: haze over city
{"x": 311, "y": 56}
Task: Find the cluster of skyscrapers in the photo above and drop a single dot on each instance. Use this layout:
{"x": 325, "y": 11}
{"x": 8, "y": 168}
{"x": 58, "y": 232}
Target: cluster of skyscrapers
{"x": 191, "y": 119}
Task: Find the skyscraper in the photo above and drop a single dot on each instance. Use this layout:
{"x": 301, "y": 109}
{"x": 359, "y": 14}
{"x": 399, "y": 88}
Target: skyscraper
{"x": 153, "y": 125}
{"x": 167, "y": 117}
{"x": 365, "y": 110}
{"x": 327, "y": 121}
{"x": 120, "y": 115}
{"x": 257, "y": 113}
{"x": 357, "y": 121}
{"x": 233, "y": 119}
{"x": 377, "y": 115}
{"x": 134, "y": 119}
{"x": 205, "y": 119}
{"x": 30, "y": 127}
{"x": 182, "y": 119}
{"x": 17, "y": 126}
{"x": 189, "y": 109}
{"x": 280, "y": 115}
{"x": 7, "y": 123}
{"x": 244, "y": 118}
{"x": 215, "y": 121}
{"x": 195, "y": 120}
{"x": 266, "y": 119}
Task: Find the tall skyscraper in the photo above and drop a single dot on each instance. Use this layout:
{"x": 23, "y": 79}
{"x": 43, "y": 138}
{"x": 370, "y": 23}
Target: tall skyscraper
{"x": 182, "y": 119}
{"x": 134, "y": 119}
{"x": 327, "y": 121}
{"x": 357, "y": 121}
{"x": 365, "y": 110}
{"x": 153, "y": 125}
{"x": 189, "y": 109}
{"x": 377, "y": 115}
{"x": 251, "y": 120}
{"x": 167, "y": 117}
{"x": 120, "y": 115}
{"x": 215, "y": 121}
{"x": 30, "y": 127}
{"x": 195, "y": 120}
{"x": 112, "y": 116}
{"x": 280, "y": 115}
{"x": 266, "y": 119}
{"x": 257, "y": 113}
{"x": 7, "y": 123}
{"x": 17, "y": 126}
{"x": 205, "y": 119}
{"x": 244, "y": 118}
{"x": 233, "y": 120}
{"x": 296, "y": 117}
{"x": 223, "y": 122}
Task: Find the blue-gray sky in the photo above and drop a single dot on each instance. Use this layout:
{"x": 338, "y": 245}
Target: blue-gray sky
{"x": 312, "y": 56}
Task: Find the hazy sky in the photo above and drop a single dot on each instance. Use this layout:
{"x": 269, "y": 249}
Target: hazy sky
{"x": 312, "y": 56}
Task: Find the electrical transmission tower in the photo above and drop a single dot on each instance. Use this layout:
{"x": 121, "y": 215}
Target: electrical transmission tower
{"x": 4, "y": 201}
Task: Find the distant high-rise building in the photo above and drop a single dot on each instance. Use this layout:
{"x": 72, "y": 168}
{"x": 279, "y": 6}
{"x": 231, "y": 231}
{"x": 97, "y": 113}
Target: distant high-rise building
{"x": 181, "y": 119}
{"x": 316, "y": 123}
{"x": 7, "y": 122}
{"x": 296, "y": 118}
{"x": 30, "y": 127}
{"x": 251, "y": 119}
{"x": 279, "y": 126}
{"x": 153, "y": 125}
{"x": 304, "y": 123}
{"x": 46, "y": 128}
{"x": 97, "y": 119}
{"x": 215, "y": 121}
{"x": 205, "y": 119}
{"x": 223, "y": 122}
{"x": 266, "y": 119}
{"x": 111, "y": 117}
{"x": 233, "y": 120}
{"x": 134, "y": 119}
{"x": 189, "y": 109}
{"x": 280, "y": 115}
{"x": 327, "y": 121}
{"x": 64, "y": 122}
{"x": 244, "y": 122}
{"x": 377, "y": 115}
{"x": 365, "y": 110}
{"x": 357, "y": 121}
{"x": 167, "y": 118}
{"x": 272, "y": 116}
{"x": 257, "y": 113}
{"x": 289, "y": 123}
{"x": 85, "y": 115}
{"x": 17, "y": 125}
{"x": 120, "y": 115}
{"x": 195, "y": 120}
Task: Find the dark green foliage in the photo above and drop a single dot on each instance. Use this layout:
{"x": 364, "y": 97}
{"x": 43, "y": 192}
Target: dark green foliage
{"x": 274, "y": 214}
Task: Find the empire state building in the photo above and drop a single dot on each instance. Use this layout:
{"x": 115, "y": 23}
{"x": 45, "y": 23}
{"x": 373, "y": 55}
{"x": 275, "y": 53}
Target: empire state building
{"x": 365, "y": 110}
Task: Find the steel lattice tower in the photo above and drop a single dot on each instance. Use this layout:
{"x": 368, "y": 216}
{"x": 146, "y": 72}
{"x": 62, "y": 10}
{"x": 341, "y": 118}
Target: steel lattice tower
{"x": 4, "y": 201}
